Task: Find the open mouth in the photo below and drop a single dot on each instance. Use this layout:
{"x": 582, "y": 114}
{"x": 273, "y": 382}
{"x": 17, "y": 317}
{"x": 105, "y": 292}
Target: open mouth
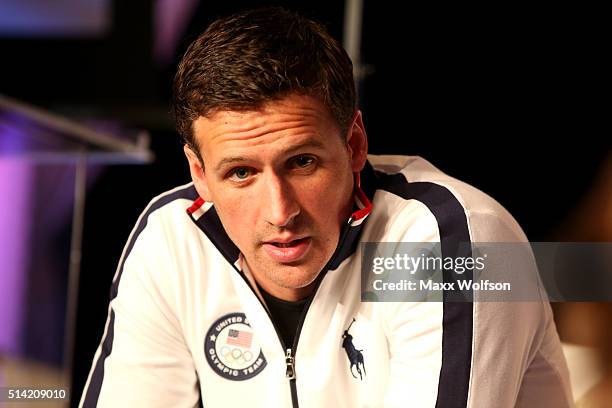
{"x": 288, "y": 244}
{"x": 288, "y": 251}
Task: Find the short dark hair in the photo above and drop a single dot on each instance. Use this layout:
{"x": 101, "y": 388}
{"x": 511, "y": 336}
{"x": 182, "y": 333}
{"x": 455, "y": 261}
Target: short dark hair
{"x": 245, "y": 60}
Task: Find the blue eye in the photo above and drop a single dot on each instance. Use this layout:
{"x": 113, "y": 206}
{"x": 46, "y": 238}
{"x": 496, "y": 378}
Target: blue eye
{"x": 240, "y": 173}
{"x": 304, "y": 161}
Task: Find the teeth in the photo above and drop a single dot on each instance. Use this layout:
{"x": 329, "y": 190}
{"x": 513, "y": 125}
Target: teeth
{"x": 286, "y": 245}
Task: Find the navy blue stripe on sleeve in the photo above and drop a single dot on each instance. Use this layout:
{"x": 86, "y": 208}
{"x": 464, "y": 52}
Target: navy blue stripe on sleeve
{"x": 457, "y": 322}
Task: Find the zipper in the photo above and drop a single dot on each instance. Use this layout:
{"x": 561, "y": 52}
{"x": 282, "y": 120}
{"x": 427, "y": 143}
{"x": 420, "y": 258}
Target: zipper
{"x": 290, "y": 362}
{"x": 290, "y": 374}
{"x": 290, "y": 352}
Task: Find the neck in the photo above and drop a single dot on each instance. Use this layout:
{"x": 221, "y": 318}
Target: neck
{"x": 287, "y": 294}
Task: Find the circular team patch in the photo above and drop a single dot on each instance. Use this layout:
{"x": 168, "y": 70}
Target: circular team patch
{"x": 231, "y": 349}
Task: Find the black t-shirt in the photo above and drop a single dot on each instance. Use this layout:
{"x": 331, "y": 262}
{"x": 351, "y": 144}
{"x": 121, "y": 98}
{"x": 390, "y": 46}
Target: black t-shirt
{"x": 285, "y": 315}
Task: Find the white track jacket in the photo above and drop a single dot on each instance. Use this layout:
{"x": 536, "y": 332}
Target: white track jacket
{"x": 186, "y": 326}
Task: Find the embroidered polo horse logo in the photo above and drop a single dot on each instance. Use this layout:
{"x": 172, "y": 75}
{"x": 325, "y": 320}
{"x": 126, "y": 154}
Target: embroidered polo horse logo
{"x": 355, "y": 357}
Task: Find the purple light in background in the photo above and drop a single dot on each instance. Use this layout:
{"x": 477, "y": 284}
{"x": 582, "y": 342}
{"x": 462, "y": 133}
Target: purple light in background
{"x": 15, "y": 185}
{"x": 170, "y": 21}
{"x": 48, "y": 18}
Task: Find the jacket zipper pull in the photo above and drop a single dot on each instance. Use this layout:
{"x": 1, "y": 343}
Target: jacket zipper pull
{"x": 290, "y": 362}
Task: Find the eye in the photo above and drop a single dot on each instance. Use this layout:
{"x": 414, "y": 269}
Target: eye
{"x": 303, "y": 161}
{"x": 239, "y": 173}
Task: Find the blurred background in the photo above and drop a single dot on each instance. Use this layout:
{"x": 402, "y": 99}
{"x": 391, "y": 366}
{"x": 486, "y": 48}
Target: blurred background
{"x": 510, "y": 98}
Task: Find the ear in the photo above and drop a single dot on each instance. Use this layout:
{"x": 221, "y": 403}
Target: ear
{"x": 357, "y": 141}
{"x": 198, "y": 174}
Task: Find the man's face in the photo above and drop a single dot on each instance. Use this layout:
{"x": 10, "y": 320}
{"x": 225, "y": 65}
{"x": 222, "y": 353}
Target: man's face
{"x": 281, "y": 179}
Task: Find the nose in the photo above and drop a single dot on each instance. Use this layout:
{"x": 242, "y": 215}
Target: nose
{"x": 281, "y": 207}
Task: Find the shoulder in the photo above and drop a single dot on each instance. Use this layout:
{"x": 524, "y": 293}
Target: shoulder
{"x": 167, "y": 211}
{"x": 174, "y": 202}
{"x": 410, "y": 184}
{"x": 162, "y": 218}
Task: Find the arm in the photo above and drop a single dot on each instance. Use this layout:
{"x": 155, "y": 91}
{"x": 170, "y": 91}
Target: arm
{"x": 143, "y": 359}
{"x": 480, "y": 354}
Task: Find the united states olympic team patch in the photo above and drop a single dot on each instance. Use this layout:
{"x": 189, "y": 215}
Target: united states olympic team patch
{"x": 231, "y": 349}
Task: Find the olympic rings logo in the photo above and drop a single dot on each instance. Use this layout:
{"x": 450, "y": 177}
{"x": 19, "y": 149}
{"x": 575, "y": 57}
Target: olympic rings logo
{"x": 236, "y": 355}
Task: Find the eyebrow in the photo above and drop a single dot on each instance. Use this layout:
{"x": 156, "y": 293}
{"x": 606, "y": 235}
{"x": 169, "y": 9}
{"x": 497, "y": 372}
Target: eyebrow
{"x": 229, "y": 160}
{"x": 235, "y": 159}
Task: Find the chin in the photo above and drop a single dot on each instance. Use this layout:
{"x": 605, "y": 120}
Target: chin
{"x": 293, "y": 279}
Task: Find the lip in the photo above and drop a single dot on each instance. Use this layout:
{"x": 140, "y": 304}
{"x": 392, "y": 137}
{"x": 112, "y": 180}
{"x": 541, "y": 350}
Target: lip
{"x": 289, "y": 254}
{"x": 285, "y": 239}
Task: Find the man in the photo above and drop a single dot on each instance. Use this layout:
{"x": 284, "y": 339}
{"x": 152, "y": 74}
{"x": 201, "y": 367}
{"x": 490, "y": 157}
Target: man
{"x": 253, "y": 298}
